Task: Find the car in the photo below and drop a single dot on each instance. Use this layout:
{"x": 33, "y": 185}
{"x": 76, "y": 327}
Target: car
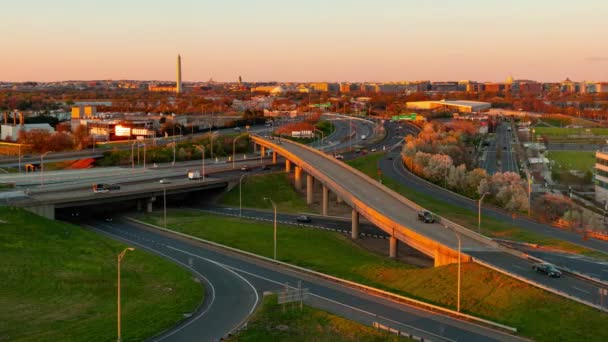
{"x": 339, "y": 156}
{"x": 373, "y": 150}
{"x": 390, "y": 158}
{"x": 426, "y": 216}
{"x": 266, "y": 167}
{"x": 303, "y": 218}
{"x": 164, "y": 181}
{"x": 548, "y": 269}
{"x": 108, "y": 219}
{"x": 245, "y": 168}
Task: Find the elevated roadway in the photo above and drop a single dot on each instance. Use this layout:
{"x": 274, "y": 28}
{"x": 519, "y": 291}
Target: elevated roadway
{"x": 381, "y": 206}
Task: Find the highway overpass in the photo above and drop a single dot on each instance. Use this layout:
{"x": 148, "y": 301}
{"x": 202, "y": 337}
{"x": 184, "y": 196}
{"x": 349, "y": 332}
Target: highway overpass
{"x": 378, "y": 204}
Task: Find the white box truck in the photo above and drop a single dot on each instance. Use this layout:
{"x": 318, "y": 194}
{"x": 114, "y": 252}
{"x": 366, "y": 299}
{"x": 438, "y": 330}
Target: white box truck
{"x": 194, "y": 174}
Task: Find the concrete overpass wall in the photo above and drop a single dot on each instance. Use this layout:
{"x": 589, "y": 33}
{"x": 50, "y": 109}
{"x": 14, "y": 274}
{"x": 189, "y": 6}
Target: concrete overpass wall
{"x": 44, "y": 210}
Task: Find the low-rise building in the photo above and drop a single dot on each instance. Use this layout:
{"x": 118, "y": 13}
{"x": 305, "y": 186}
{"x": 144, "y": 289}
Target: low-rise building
{"x": 601, "y": 176}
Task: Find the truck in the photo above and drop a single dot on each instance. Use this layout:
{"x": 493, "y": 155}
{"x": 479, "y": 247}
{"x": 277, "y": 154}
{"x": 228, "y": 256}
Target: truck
{"x": 194, "y": 174}
{"x": 101, "y": 188}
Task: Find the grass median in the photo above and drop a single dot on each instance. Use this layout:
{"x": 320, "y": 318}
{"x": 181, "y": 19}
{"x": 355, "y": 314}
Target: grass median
{"x": 275, "y": 186}
{"x": 485, "y": 293}
{"x": 59, "y": 284}
{"x": 467, "y": 218}
{"x": 271, "y": 323}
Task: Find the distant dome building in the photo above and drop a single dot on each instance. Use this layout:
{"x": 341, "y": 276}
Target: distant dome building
{"x": 510, "y": 79}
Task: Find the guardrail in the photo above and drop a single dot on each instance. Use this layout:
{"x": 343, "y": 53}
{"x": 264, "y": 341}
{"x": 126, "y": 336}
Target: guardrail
{"x": 347, "y": 283}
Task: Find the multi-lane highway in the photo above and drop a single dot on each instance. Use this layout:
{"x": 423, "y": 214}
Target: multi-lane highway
{"x": 500, "y": 145}
{"x": 232, "y": 275}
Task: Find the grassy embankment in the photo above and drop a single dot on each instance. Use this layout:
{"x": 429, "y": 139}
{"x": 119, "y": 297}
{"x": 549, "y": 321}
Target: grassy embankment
{"x": 275, "y": 186}
{"x": 467, "y": 218}
{"x": 59, "y": 284}
{"x": 485, "y": 293}
{"x": 310, "y": 324}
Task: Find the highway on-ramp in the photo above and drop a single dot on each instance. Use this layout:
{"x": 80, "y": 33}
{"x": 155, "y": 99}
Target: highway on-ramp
{"x": 220, "y": 266}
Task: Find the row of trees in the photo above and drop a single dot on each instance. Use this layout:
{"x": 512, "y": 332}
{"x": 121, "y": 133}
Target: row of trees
{"x": 440, "y": 156}
{"x": 40, "y": 141}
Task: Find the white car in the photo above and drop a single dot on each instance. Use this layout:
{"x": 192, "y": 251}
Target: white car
{"x": 164, "y": 181}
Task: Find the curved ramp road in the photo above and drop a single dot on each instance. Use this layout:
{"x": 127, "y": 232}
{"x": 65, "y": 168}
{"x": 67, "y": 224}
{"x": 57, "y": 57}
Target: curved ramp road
{"x": 229, "y": 300}
{"x": 220, "y": 266}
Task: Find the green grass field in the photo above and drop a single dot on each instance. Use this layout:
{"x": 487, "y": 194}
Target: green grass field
{"x": 560, "y": 132}
{"x": 485, "y": 293}
{"x": 275, "y": 186}
{"x": 573, "y": 160}
{"x": 58, "y": 283}
{"x": 467, "y": 218}
{"x": 309, "y": 324}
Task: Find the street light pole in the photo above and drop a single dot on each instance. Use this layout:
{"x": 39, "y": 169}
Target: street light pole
{"x": 202, "y": 148}
{"x": 479, "y": 212}
{"x": 234, "y": 148}
{"x": 132, "y": 158}
{"x": 42, "y": 168}
{"x": 165, "y": 206}
{"x": 459, "y": 271}
{"x": 119, "y": 258}
{"x": 274, "y": 205}
{"x": 144, "y": 156}
{"x": 241, "y": 196}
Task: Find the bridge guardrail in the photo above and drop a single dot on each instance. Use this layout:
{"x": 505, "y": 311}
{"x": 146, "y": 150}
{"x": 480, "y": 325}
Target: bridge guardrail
{"x": 351, "y": 284}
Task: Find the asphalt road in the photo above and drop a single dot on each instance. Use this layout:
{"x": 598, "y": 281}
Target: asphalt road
{"x": 335, "y": 224}
{"x": 234, "y": 297}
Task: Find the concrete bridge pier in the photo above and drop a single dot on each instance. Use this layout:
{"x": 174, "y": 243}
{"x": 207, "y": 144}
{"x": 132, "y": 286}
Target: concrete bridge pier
{"x": 274, "y": 157}
{"x": 393, "y": 247}
{"x": 139, "y": 205}
{"x": 325, "y": 206}
{"x": 354, "y": 233}
{"x": 262, "y": 151}
{"x": 309, "y": 185}
{"x": 298, "y": 178}
{"x": 149, "y": 206}
{"x": 44, "y": 210}
{"x": 287, "y": 166}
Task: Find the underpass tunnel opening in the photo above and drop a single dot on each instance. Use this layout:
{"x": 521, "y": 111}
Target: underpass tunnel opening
{"x": 115, "y": 209}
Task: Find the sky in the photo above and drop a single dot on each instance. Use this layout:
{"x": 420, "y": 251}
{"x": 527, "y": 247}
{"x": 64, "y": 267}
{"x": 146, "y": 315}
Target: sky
{"x": 304, "y": 40}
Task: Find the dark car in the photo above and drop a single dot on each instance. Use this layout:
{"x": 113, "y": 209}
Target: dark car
{"x": 303, "y": 218}
{"x": 426, "y": 216}
{"x": 547, "y": 269}
{"x": 245, "y": 168}
{"x": 266, "y": 167}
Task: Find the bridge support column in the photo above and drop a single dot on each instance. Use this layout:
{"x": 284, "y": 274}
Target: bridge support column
{"x": 339, "y": 199}
{"x": 393, "y": 246}
{"x": 354, "y": 233}
{"x": 287, "y": 166}
{"x": 139, "y": 206}
{"x": 298, "y": 178}
{"x": 309, "y": 184}
{"x": 274, "y": 157}
{"x": 263, "y": 151}
{"x": 149, "y": 206}
{"x": 325, "y": 206}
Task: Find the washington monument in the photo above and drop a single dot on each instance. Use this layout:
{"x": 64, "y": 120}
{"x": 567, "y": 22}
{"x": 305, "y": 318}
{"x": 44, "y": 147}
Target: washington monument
{"x": 178, "y": 85}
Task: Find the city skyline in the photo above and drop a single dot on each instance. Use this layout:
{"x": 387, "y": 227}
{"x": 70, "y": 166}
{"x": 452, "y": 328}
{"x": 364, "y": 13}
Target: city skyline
{"x": 312, "y": 41}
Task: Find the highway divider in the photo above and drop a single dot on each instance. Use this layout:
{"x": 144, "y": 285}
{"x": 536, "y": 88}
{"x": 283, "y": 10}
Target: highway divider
{"x": 347, "y": 283}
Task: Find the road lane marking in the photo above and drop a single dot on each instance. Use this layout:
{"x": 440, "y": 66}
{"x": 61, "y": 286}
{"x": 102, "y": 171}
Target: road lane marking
{"x": 521, "y": 268}
{"x": 339, "y": 303}
{"x": 576, "y": 288}
{"x": 179, "y": 262}
{"x": 257, "y": 297}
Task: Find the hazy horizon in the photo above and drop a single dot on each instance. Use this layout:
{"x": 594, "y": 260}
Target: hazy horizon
{"x": 271, "y": 40}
